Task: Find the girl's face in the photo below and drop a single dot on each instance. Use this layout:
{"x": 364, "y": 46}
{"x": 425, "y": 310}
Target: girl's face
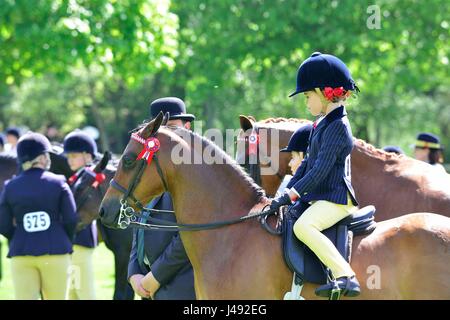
{"x": 313, "y": 102}
{"x": 421, "y": 154}
{"x": 296, "y": 160}
{"x": 78, "y": 160}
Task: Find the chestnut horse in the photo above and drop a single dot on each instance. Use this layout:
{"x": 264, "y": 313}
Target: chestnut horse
{"x": 394, "y": 184}
{"x": 242, "y": 261}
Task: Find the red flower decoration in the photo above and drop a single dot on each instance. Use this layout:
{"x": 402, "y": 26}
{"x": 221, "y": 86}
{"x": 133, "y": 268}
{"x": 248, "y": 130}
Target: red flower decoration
{"x": 338, "y": 91}
{"x": 328, "y": 92}
{"x": 331, "y": 93}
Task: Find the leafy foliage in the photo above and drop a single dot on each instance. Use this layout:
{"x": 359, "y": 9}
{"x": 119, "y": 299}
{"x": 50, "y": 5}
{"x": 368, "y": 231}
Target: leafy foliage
{"x": 104, "y": 61}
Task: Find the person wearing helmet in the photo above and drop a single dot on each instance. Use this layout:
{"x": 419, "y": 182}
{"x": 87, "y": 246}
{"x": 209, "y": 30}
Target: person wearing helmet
{"x": 38, "y": 217}
{"x": 322, "y": 184}
{"x": 428, "y": 148}
{"x": 393, "y": 149}
{"x": 297, "y": 146}
{"x": 12, "y": 137}
{"x": 80, "y": 149}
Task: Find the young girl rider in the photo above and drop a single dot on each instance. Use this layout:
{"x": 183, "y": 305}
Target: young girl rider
{"x": 322, "y": 183}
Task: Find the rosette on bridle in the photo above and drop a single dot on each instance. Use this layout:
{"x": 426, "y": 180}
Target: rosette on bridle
{"x": 151, "y": 146}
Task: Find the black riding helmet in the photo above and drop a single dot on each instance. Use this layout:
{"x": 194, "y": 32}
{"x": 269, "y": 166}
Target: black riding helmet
{"x": 299, "y": 139}
{"x": 32, "y": 145}
{"x": 79, "y": 141}
{"x": 323, "y": 70}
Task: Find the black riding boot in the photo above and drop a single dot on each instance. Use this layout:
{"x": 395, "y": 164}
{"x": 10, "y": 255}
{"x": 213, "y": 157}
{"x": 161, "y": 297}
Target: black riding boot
{"x": 349, "y": 287}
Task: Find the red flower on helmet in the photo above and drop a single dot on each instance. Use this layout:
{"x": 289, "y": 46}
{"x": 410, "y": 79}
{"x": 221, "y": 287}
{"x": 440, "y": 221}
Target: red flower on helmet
{"x": 338, "y": 91}
{"x": 332, "y": 93}
{"x": 328, "y": 92}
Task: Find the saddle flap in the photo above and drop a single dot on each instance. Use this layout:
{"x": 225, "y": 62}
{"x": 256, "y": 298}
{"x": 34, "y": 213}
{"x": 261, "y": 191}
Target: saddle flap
{"x": 301, "y": 260}
{"x": 366, "y": 213}
{"x": 293, "y": 249}
{"x": 361, "y": 222}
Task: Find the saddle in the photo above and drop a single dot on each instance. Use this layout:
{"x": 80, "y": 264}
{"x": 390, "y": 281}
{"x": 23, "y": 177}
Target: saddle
{"x": 304, "y": 263}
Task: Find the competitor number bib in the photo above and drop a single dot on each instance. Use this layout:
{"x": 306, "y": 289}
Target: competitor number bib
{"x": 36, "y": 221}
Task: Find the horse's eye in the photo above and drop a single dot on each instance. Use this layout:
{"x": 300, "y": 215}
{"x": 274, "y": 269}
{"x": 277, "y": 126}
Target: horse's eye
{"x": 128, "y": 161}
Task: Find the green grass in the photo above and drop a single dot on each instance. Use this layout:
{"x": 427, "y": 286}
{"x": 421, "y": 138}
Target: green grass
{"x": 103, "y": 268}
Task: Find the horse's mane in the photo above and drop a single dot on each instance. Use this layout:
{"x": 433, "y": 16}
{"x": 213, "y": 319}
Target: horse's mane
{"x": 259, "y": 192}
{"x": 281, "y": 119}
{"x": 362, "y": 146}
{"x": 283, "y": 124}
{"x": 373, "y": 152}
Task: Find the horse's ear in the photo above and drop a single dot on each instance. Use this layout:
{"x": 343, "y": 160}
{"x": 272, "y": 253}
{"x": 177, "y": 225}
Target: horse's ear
{"x": 153, "y": 126}
{"x": 166, "y": 118}
{"x": 103, "y": 163}
{"x": 246, "y": 122}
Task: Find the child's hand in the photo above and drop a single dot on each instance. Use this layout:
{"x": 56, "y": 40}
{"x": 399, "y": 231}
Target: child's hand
{"x": 280, "y": 201}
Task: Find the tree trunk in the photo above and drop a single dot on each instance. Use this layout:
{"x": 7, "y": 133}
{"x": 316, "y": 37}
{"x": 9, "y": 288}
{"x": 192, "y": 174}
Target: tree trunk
{"x": 104, "y": 141}
{"x": 95, "y": 109}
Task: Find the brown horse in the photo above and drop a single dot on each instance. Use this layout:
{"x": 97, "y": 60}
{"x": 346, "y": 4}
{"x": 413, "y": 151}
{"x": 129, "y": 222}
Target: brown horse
{"x": 242, "y": 261}
{"x": 394, "y": 184}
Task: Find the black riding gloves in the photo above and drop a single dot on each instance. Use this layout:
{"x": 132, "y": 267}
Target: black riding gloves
{"x": 280, "y": 201}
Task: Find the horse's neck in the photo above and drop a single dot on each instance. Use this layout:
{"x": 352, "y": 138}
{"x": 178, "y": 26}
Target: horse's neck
{"x": 211, "y": 193}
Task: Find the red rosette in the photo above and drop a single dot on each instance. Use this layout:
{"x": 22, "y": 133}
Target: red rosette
{"x": 151, "y": 146}
{"x": 253, "y": 141}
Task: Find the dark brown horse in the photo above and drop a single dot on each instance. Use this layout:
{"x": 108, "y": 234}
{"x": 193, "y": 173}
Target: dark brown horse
{"x": 242, "y": 261}
{"x": 394, "y": 184}
{"x": 88, "y": 199}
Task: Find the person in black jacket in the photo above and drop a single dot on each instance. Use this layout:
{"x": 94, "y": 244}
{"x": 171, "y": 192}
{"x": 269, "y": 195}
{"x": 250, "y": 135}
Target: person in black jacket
{"x": 38, "y": 217}
{"x": 159, "y": 267}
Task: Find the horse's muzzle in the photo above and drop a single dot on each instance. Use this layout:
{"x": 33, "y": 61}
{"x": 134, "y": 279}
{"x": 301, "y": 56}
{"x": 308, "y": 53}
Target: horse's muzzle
{"x": 109, "y": 214}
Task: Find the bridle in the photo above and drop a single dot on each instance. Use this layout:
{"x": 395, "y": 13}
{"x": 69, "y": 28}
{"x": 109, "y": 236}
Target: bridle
{"x": 253, "y": 150}
{"x": 151, "y": 146}
{"x": 97, "y": 178}
{"x": 128, "y": 216}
